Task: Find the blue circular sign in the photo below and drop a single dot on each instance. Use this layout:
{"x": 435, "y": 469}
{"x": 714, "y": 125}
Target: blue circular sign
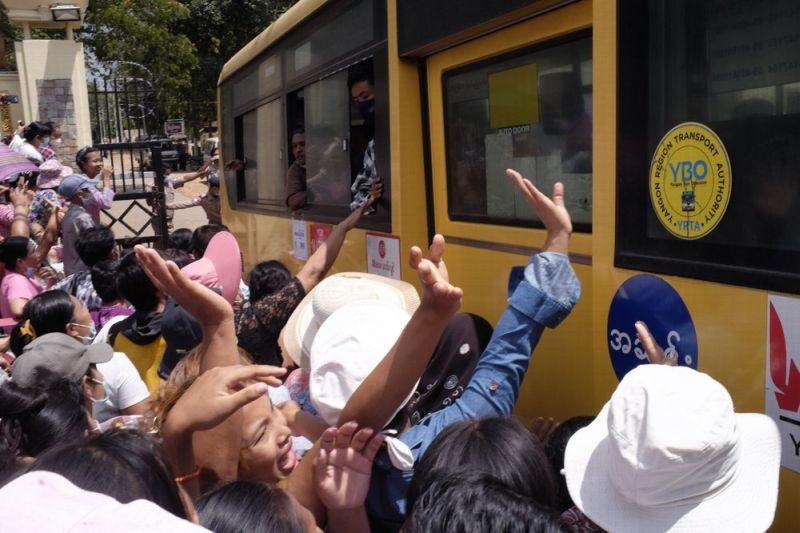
{"x": 653, "y": 301}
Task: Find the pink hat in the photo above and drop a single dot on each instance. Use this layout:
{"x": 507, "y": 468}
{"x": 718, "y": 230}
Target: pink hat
{"x": 48, "y": 503}
{"x": 220, "y": 267}
{"x": 51, "y": 172}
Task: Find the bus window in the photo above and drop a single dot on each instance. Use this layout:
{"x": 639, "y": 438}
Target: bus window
{"x": 327, "y": 128}
{"x": 531, "y": 112}
{"x": 733, "y": 68}
{"x": 262, "y": 141}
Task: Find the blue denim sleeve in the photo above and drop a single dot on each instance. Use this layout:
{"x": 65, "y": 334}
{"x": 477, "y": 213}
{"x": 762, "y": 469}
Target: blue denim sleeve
{"x": 540, "y": 295}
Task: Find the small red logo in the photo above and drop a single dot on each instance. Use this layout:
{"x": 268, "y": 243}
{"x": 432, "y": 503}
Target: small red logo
{"x": 786, "y": 380}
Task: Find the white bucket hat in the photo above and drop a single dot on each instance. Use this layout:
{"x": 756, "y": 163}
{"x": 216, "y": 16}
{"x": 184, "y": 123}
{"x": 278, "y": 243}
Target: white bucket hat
{"x": 333, "y": 292}
{"x": 668, "y": 453}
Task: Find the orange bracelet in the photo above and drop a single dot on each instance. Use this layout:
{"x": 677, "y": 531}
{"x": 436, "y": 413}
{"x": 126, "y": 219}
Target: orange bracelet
{"x": 190, "y": 475}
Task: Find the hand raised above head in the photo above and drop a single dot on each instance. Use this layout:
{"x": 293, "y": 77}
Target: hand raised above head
{"x": 437, "y": 292}
{"x": 551, "y": 212}
{"x": 203, "y": 304}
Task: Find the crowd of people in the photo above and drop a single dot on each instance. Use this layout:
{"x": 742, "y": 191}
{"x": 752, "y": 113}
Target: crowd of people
{"x": 157, "y": 390}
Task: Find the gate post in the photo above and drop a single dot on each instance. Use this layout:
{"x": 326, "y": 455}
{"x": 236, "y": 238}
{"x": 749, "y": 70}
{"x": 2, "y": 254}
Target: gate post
{"x": 159, "y": 204}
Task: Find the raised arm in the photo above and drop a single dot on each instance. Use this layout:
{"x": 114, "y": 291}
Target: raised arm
{"x": 388, "y": 385}
{"x": 211, "y": 310}
{"x": 21, "y": 200}
{"x": 323, "y": 258}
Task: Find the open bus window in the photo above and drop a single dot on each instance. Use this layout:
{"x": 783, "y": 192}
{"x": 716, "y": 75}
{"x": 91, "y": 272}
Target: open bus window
{"x": 531, "y": 112}
{"x": 735, "y": 68}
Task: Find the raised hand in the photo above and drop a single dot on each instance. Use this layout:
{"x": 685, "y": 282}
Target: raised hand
{"x": 375, "y": 193}
{"x": 205, "y": 305}
{"x": 437, "y": 292}
{"x": 343, "y": 466}
{"x": 19, "y": 195}
{"x": 655, "y": 354}
{"x": 218, "y": 393}
{"x": 552, "y": 213}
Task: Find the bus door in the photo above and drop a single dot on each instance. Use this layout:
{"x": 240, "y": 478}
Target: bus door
{"x": 519, "y": 97}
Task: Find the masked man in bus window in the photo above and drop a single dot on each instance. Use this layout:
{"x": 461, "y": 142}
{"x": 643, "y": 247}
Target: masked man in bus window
{"x": 362, "y": 91}
{"x": 296, "y": 188}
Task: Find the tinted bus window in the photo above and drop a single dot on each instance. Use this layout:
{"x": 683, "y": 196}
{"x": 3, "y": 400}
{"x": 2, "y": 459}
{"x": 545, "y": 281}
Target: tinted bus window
{"x": 733, "y": 67}
{"x": 531, "y": 112}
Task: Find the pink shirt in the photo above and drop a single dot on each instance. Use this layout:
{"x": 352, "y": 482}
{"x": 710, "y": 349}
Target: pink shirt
{"x": 16, "y": 286}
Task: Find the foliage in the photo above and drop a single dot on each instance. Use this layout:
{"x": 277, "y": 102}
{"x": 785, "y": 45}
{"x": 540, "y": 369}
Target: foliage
{"x": 184, "y": 44}
{"x": 218, "y": 29}
{"x": 143, "y": 32}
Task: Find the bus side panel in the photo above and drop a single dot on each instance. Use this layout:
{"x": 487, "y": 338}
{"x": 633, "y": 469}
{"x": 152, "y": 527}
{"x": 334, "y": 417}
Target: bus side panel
{"x": 559, "y": 379}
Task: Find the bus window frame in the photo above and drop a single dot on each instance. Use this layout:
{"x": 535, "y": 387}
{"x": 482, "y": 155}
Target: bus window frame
{"x": 747, "y": 266}
{"x": 376, "y": 49}
{"x": 450, "y": 184}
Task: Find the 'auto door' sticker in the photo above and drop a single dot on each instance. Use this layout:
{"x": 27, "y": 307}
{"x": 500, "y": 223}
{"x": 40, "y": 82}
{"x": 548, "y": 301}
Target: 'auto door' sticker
{"x": 690, "y": 180}
{"x": 653, "y": 301}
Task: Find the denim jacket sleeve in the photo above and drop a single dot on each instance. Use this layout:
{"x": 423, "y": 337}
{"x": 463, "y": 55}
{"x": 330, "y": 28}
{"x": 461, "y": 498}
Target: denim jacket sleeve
{"x": 540, "y": 295}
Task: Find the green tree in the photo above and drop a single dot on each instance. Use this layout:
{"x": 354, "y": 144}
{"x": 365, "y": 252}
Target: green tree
{"x": 145, "y": 32}
{"x": 218, "y": 29}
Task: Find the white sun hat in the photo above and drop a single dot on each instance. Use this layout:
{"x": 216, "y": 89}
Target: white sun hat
{"x": 334, "y": 292}
{"x": 668, "y": 453}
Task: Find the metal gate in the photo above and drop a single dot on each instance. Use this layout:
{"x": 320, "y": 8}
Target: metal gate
{"x": 122, "y": 99}
{"x": 138, "y": 182}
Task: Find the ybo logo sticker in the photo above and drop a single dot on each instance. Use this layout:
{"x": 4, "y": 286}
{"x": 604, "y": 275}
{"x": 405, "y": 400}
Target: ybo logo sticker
{"x": 782, "y": 390}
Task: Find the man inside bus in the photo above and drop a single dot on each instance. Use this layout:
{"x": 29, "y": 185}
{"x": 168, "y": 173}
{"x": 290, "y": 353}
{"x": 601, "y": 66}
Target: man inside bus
{"x": 362, "y": 90}
{"x": 296, "y": 188}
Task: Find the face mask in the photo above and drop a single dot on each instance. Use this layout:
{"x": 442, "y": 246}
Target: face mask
{"x": 57, "y": 142}
{"x": 45, "y": 141}
{"x": 30, "y": 272}
{"x": 92, "y": 333}
{"x": 95, "y": 401}
{"x": 367, "y": 110}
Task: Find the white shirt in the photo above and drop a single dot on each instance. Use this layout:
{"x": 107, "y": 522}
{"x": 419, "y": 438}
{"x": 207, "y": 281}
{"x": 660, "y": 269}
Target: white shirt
{"x": 30, "y": 151}
{"x": 124, "y": 387}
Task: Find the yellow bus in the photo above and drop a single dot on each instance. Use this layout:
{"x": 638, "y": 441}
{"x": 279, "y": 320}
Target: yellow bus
{"x": 672, "y": 123}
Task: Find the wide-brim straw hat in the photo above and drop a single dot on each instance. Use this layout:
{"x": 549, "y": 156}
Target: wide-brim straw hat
{"x": 334, "y": 292}
{"x": 668, "y": 453}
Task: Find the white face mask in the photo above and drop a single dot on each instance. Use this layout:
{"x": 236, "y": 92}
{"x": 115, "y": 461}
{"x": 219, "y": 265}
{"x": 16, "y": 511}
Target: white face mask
{"x": 57, "y": 142}
{"x": 87, "y": 339}
{"x": 46, "y": 141}
{"x": 105, "y": 392}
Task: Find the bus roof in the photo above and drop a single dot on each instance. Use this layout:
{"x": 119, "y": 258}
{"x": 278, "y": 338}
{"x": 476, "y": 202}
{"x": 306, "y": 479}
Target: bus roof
{"x": 266, "y": 38}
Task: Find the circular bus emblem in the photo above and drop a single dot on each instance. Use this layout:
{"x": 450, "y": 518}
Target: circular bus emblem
{"x": 690, "y": 180}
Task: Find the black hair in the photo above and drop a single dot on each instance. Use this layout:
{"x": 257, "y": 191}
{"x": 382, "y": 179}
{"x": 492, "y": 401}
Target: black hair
{"x": 181, "y": 238}
{"x": 104, "y": 280}
{"x": 243, "y": 506}
{"x": 266, "y": 278}
{"x": 36, "y": 129}
{"x": 202, "y": 236}
{"x": 47, "y": 312}
{"x": 166, "y": 166}
{"x": 12, "y": 250}
{"x": 134, "y": 285}
{"x": 124, "y": 464}
{"x": 34, "y": 419}
{"x": 499, "y": 446}
{"x": 177, "y": 256}
{"x": 53, "y": 126}
{"x": 298, "y": 130}
{"x": 82, "y": 157}
{"x": 95, "y": 244}
{"x": 554, "y": 448}
{"x": 473, "y": 502}
{"x": 360, "y": 72}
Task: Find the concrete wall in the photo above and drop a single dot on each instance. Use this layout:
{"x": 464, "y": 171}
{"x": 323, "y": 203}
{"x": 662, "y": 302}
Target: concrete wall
{"x": 52, "y": 77}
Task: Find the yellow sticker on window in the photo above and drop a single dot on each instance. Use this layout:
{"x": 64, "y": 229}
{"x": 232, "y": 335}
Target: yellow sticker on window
{"x": 690, "y": 180}
{"x": 514, "y": 97}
